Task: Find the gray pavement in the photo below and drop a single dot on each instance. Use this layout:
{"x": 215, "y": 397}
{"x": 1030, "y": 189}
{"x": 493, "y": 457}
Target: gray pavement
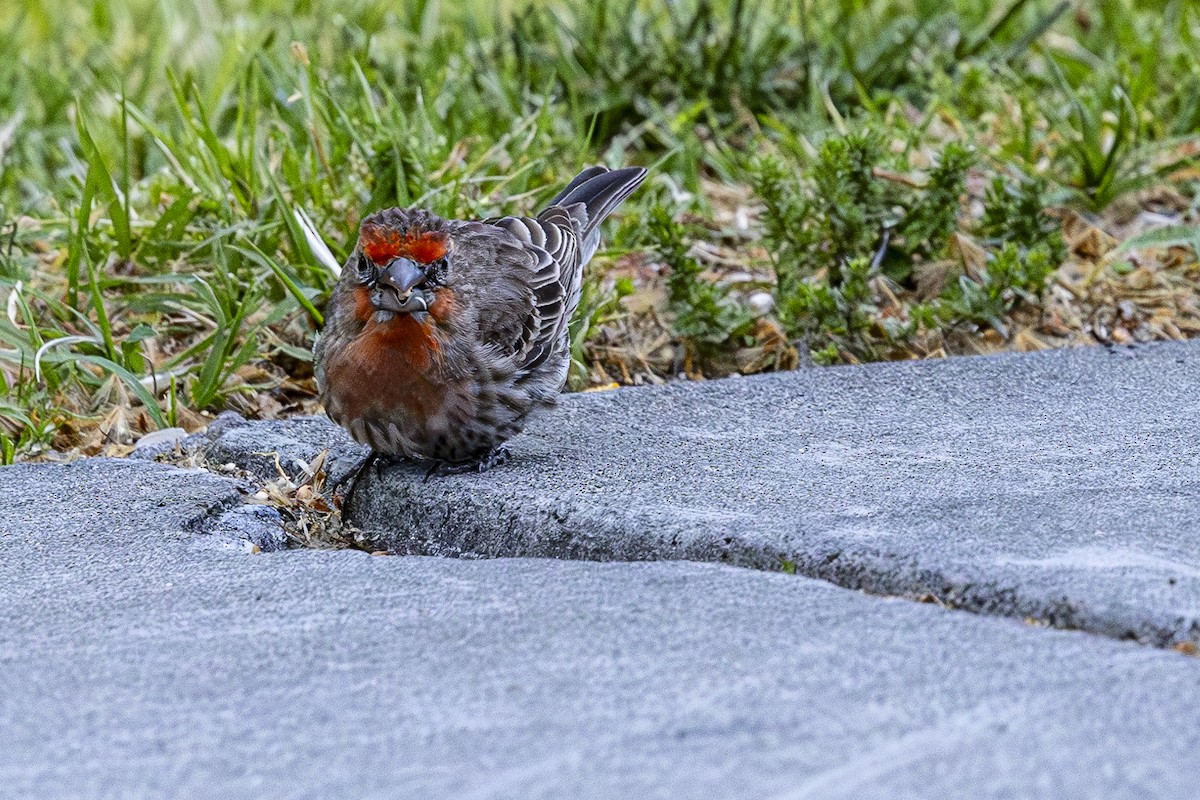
{"x": 1062, "y": 486}
{"x": 145, "y": 653}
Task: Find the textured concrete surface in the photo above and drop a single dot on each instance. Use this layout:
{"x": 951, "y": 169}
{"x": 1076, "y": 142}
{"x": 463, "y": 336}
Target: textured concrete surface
{"x": 1063, "y": 486}
{"x": 143, "y": 655}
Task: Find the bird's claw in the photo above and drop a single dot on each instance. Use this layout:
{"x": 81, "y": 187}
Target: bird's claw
{"x": 377, "y": 462}
{"x": 499, "y": 455}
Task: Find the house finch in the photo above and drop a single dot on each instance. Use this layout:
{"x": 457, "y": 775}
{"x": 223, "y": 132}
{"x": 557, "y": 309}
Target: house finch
{"x": 441, "y": 336}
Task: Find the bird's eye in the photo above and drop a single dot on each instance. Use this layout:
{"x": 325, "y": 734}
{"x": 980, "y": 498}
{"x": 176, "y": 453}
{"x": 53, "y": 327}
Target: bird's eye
{"x": 367, "y": 273}
{"x": 435, "y": 273}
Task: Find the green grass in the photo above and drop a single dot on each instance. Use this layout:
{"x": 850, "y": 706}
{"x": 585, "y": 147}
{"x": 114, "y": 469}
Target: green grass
{"x": 153, "y": 153}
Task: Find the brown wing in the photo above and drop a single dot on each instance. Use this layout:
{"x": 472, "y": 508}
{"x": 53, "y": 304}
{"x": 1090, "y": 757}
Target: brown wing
{"x": 552, "y": 243}
{"x": 556, "y": 246}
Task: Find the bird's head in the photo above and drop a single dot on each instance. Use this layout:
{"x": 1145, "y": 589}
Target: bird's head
{"x": 403, "y": 259}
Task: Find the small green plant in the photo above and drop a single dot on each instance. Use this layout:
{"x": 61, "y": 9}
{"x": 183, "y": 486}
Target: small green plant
{"x": 831, "y": 235}
{"x": 1107, "y": 153}
{"x": 1030, "y": 248}
{"x": 1015, "y": 211}
{"x": 703, "y": 314}
{"x": 1013, "y": 274}
{"x": 821, "y": 226}
{"x": 835, "y": 318}
{"x": 837, "y": 239}
{"x": 932, "y": 214}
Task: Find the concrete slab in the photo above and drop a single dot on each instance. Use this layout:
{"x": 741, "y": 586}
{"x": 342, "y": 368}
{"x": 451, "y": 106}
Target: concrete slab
{"x": 141, "y": 657}
{"x": 1062, "y": 486}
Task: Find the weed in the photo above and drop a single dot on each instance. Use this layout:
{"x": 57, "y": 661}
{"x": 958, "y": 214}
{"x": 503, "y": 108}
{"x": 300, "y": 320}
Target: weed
{"x": 1015, "y": 212}
{"x": 1011, "y": 275}
{"x": 932, "y": 214}
{"x": 837, "y": 298}
{"x": 703, "y": 315}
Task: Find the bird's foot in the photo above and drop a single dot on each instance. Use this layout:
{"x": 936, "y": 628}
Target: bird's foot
{"x": 499, "y": 455}
{"x": 374, "y": 461}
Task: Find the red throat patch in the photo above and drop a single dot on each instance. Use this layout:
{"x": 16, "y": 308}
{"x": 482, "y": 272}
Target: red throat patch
{"x": 381, "y": 244}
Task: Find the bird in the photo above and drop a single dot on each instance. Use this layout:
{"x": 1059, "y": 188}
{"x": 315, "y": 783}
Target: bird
{"x": 442, "y": 336}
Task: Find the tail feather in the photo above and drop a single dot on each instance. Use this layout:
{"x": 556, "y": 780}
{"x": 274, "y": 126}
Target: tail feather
{"x": 586, "y": 201}
{"x": 600, "y": 191}
{"x": 582, "y": 177}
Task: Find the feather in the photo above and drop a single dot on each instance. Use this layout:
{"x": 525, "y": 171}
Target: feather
{"x": 560, "y": 241}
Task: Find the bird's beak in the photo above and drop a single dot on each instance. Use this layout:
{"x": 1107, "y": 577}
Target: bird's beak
{"x": 402, "y": 274}
{"x": 397, "y": 282}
